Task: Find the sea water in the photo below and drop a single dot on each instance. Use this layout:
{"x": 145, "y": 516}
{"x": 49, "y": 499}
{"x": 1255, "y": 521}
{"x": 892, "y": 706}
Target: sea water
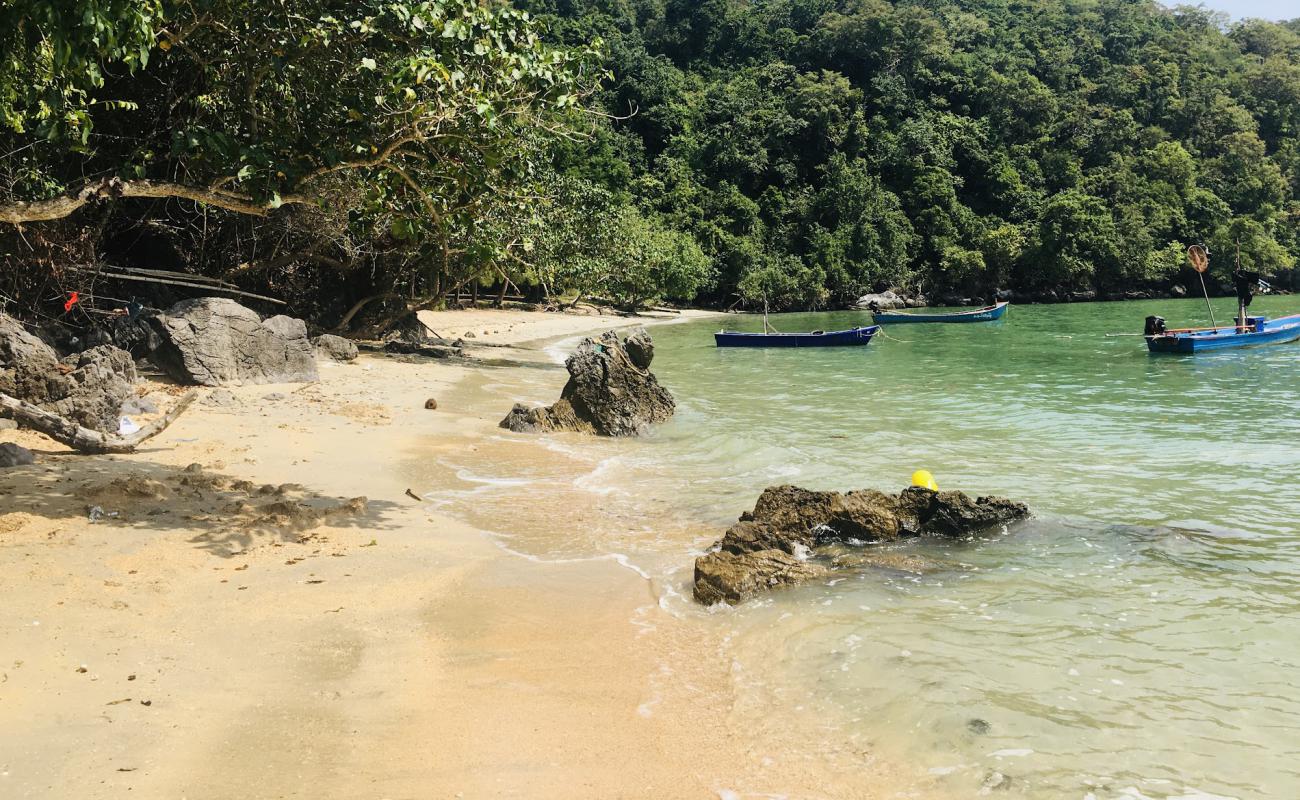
{"x": 1138, "y": 638}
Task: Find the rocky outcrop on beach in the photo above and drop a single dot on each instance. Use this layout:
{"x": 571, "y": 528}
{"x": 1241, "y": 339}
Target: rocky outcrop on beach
{"x": 611, "y": 391}
{"x": 776, "y": 543}
{"x": 87, "y": 388}
{"x": 215, "y": 341}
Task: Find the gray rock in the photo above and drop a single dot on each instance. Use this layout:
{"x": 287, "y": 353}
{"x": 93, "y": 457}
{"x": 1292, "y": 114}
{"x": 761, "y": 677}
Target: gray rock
{"x": 769, "y": 545}
{"x": 883, "y": 300}
{"x": 335, "y": 347}
{"x": 214, "y": 341}
{"x": 138, "y": 405}
{"x": 609, "y": 393}
{"x": 87, "y": 388}
{"x": 221, "y": 398}
{"x": 11, "y": 455}
{"x": 8, "y": 425}
{"x": 640, "y": 348}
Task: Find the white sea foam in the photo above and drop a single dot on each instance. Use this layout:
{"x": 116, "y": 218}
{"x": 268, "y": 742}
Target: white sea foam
{"x": 618, "y": 558}
{"x": 488, "y": 480}
{"x": 596, "y": 481}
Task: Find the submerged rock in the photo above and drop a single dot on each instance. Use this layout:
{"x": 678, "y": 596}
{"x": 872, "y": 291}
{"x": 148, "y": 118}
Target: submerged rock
{"x": 87, "y": 387}
{"x": 214, "y": 341}
{"x": 611, "y": 391}
{"x": 726, "y": 577}
{"x": 770, "y": 545}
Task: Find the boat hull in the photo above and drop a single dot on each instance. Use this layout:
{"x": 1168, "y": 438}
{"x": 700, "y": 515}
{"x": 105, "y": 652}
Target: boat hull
{"x": 855, "y": 337}
{"x": 989, "y": 314}
{"x": 1278, "y": 331}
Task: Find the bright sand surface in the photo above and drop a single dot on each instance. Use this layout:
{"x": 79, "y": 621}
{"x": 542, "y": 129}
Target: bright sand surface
{"x": 219, "y": 634}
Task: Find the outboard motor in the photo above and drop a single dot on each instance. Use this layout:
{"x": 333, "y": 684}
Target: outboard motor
{"x": 1155, "y": 326}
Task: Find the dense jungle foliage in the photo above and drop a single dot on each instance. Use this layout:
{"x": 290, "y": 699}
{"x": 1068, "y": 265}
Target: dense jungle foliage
{"x": 820, "y": 148}
{"x": 366, "y": 158}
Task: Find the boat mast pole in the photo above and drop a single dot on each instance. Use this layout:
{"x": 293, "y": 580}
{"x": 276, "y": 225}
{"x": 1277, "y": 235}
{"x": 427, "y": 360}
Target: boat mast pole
{"x": 1199, "y": 257}
{"x": 1241, "y": 302}
{"x": 1208, "y": 307}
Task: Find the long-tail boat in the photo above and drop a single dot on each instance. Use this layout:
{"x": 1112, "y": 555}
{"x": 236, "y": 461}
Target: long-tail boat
{"x": 1257, "y": 330}
{"x": 1245, "y": 331}
{"x": 847, "y": 338}
{"x": 986, "y": 314}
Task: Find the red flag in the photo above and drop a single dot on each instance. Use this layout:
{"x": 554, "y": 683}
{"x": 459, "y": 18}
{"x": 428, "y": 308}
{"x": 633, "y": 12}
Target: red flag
{"x": 73, "y": 299}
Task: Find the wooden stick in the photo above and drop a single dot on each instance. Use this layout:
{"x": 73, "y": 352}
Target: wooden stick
{"x": 190, "y": 283}
{"x": 83, "y": 439}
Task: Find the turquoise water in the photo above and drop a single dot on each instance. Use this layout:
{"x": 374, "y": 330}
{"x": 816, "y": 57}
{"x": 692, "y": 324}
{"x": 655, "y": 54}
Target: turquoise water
{"x": 1138, "y": 638}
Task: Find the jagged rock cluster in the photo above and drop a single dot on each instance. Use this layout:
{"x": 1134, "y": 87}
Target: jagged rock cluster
{"x": 88, "y": 388}
{"x": 611, "y": 391}
{"x": 772, "y": 545}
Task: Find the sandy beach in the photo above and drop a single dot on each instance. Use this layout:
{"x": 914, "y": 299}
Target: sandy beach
{"x": 221, "y": 615}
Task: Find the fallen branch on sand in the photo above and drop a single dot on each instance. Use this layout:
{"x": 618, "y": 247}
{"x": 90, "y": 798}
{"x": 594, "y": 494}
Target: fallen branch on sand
{"x": 84, "y": 439}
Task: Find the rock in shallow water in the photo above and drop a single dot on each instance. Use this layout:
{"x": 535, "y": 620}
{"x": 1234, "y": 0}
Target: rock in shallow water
{"x": 611, "y": 391}
{"x": 726, "y": 577}
{"x": 768, "y": 546}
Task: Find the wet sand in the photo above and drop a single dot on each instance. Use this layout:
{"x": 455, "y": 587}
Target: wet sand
{"x": 248, "y": 629}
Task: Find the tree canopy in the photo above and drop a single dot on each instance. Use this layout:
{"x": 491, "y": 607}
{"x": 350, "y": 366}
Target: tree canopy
{"x": 801, "y": 151}
{"x": 817, "y": 149}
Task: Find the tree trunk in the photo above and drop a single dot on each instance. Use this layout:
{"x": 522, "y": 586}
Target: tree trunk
{"x": 83, "y": 439}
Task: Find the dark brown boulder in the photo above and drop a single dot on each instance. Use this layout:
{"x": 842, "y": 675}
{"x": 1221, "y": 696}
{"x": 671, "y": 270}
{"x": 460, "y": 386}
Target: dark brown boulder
{"x": 793, "y": 509}
{"x": 724, "y": 577}
{"x": 610, "y": 392}
{"x": 770, "y": 545}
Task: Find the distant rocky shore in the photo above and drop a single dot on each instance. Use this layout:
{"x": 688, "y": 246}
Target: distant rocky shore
{"x": 898, "y": 298}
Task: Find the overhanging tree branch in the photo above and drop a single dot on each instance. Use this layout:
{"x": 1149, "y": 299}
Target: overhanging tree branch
{"x": 21, "y": 212}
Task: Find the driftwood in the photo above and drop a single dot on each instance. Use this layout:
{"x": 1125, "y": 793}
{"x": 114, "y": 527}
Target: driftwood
{"x": 84, "y": 439}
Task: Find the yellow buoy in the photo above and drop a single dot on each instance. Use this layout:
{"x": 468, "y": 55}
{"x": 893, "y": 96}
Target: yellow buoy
{"x": 925, "y": 480}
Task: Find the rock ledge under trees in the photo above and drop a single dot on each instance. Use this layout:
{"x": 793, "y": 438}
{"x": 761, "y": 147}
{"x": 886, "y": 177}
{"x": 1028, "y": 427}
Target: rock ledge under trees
{"x": 214, "y": 341}
{"x": 87, "y": 388}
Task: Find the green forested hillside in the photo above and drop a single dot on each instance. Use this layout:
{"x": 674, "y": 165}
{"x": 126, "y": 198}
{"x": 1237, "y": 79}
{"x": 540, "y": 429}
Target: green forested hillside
{"x": 367, "y": 158}
{"x": 816, "y": 149}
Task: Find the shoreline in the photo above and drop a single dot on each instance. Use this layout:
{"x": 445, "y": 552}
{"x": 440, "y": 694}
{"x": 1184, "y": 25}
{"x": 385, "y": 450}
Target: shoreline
{"x": 397, "y": 652}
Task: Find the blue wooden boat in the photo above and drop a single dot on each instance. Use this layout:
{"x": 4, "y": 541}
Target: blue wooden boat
{"x": 986, "y": 314}
{"x": 854, "y": 337}
{"x": 1257, "y": 330}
